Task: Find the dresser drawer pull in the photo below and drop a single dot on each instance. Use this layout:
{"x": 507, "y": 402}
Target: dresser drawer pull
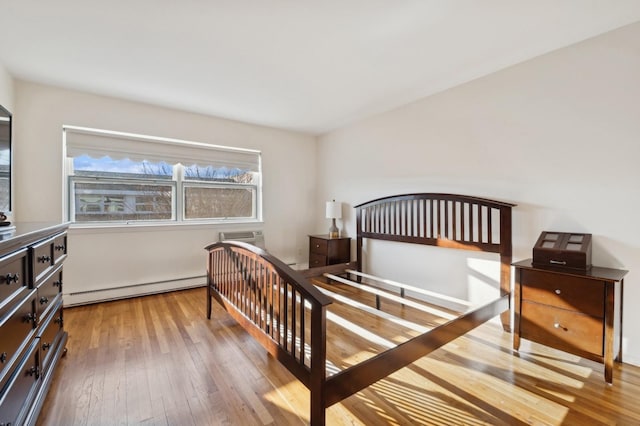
{"x": 33, "y": 370}
{"x": 57, "y": 283}
{"x": 9, "y": 278}
{"x": 558, "y": 262}
{"x": 557, "y": 291}
{"x": 59, "y": 247}
{"x": 317, "y": 245}
{"x": 44, "y": 259}
{"x": 44, "y": 300}
{"x": 58, "y": 320}
{"x": 3, "y": 357}
{"x": 46, "y": 346}
{"x": 30, "y": 317}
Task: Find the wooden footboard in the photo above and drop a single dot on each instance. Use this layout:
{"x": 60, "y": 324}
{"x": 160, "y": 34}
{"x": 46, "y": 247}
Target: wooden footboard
{"x": 278, "y": 306}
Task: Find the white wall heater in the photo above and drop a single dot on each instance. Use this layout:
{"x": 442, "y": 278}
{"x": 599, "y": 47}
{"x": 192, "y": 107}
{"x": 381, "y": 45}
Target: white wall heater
{"x": 252, "y": 237}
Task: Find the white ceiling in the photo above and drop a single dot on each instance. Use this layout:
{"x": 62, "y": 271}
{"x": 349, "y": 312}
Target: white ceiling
{"x": 311, "y": 65}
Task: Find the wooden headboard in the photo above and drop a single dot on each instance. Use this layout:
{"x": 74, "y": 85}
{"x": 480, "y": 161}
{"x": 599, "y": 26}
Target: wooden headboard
{"x": 443, "y": 220}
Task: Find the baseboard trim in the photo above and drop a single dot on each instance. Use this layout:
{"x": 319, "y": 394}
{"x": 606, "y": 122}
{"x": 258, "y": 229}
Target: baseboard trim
{"x": 86, "y": 297}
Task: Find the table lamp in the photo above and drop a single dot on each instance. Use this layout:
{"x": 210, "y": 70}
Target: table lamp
{"x": 334, "y": 211}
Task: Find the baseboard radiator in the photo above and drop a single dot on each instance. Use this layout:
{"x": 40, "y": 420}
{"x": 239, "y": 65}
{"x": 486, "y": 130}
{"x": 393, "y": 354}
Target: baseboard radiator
{"x": 85, "y": 297}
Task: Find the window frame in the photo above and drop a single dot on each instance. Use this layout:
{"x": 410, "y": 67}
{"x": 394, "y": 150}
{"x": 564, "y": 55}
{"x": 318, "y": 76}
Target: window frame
{"x": 178, "y": 184}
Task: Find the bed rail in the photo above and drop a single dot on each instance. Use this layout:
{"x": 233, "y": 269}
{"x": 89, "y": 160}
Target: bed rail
{"x": 443, "y": 220}
{"x": 273, "y": 303}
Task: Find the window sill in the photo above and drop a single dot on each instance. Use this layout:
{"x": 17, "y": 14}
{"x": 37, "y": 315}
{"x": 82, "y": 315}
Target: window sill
{"x": 158, "y": 226}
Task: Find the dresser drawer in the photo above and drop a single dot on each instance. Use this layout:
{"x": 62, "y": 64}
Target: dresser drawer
{"x": 564, "y": 291}
{"x": 13, "y": 279}
{"x": 42, "y": 259}
{"x": 16, "y": 327}
{"x": 316, "y": 260}
{"x": 59, "y": 248}
{"x": 318, "y": 246}
{"x": 50, "y": 333}
{"x": 561, "y": 328}
{"x": 16, "y": 391}
{"x": 48, "y": 290}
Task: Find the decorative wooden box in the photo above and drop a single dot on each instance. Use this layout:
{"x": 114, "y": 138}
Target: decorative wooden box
{"x": 563, "y": 250}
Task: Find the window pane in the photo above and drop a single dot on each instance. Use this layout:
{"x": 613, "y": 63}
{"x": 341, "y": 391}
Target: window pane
{"x": 218, "y": 202}
{"x": 85, "y": 165}
{"x": 218, "y": 174}
{"x": 106, "y": 201}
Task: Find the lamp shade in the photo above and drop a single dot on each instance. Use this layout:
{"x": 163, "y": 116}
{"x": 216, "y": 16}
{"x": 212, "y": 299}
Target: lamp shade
{"x": 334, "y": 210}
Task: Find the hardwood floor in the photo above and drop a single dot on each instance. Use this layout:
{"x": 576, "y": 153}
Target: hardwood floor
{"x": 157, "y": 360}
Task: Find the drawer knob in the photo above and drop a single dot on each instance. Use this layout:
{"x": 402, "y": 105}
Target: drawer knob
{"x": 317, "y": 245}
{"x": 59, "y": 247}
{"x": 57, "y": 283}
{"x": 558, "y": 291}
{"x": 3, "y": 357}
{"x": 44, "y": 300}
{"x": 44, "y": 259}
{"x": 29, "y": 317}
{"x": 46, "y": 346}
{"x": 559, "y": 326}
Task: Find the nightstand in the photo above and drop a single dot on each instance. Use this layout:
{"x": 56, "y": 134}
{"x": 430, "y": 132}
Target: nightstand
{"x": 325, "y": 251}
{"x": 579, "y": 312}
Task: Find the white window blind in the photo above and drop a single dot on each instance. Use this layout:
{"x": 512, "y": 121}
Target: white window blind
{"x": 118, "y": 145}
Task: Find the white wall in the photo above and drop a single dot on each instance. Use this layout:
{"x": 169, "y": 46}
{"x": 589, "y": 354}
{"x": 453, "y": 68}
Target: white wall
{"x": 558, "y": 135}
{"x": 130, "y": 256}
{"x": 6, "y": 89}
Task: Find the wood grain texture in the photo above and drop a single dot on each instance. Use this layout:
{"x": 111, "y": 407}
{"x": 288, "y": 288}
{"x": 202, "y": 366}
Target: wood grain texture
{"x": 157, "y": 360}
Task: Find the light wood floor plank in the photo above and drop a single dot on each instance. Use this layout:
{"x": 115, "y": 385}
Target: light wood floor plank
{"x": 157, "y": 360}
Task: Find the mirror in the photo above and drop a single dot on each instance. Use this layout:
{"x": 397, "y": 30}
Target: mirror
{"x": 5, "y": 160}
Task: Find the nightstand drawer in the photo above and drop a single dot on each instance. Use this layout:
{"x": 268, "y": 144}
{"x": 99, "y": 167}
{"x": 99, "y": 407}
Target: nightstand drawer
{"x": 316, "y": 260}
{"x": 319, "y": 246}
{"x": 569, "y": 292}
{"x": 562, "y": 329}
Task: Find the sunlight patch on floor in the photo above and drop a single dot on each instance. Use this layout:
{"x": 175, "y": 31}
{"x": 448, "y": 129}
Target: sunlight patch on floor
{"x": 361, "y": 332}
{"x": 278, "y": 396}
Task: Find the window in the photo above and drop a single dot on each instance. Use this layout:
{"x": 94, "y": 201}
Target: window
{"x": 115, "y": 177}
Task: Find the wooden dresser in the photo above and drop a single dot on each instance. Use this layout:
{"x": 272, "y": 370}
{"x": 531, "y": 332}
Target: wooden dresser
{"x": 325, "y": 251}
{"x": 575, "y": 311}
{"x": 32, "y": 336}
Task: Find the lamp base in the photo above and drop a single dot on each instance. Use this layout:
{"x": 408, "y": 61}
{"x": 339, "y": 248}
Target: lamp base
{"x": 334, "y": 232}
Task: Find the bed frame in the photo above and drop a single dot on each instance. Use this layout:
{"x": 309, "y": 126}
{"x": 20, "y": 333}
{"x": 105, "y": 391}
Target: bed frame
{"x": 286, "y": 314}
